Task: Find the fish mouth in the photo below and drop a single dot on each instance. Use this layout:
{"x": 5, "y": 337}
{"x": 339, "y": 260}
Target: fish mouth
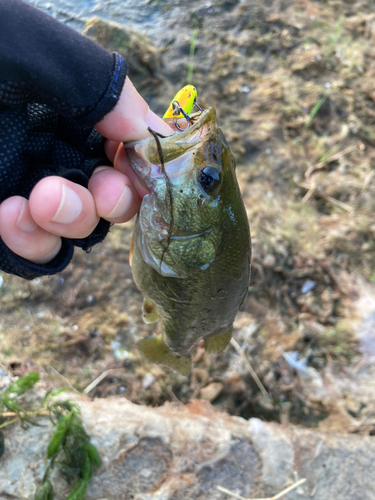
{"x": 160, "y": 163}
{"x": 154, "y": 157}
{"x": 197, "y": 121}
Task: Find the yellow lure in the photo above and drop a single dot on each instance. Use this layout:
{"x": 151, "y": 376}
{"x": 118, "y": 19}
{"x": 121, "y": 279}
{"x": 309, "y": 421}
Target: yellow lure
{"x": 185, "y": 98}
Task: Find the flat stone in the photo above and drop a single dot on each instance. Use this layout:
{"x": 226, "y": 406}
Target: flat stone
{"x": 177, "y": 452}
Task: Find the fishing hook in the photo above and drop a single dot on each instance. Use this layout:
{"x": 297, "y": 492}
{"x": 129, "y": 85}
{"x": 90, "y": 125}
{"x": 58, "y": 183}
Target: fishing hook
{"x": 197, "y": 105}
{"x": 178, "y": 110}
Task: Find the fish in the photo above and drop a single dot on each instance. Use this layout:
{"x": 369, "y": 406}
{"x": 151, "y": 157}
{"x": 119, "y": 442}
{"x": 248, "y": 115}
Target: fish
{"x": 191, "y": 248}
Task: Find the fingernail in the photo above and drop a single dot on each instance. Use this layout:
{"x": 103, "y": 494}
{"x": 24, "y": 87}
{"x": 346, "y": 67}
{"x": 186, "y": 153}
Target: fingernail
{"x": 98, "y": 169}
{"x": 157, "y": 124}
{"x": 70, "y": 206}
{"x": 123, "y": 204}
{"x": 25, "y": 222}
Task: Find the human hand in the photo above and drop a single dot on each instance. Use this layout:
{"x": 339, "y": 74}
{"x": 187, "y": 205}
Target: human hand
{"x": 59, "y": 208}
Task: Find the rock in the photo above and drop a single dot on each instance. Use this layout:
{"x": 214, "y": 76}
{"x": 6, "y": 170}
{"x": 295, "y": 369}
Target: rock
{"x": 211, "y": 391}
{"x": 143, "y": 58}
{"x": 177, "y": 451}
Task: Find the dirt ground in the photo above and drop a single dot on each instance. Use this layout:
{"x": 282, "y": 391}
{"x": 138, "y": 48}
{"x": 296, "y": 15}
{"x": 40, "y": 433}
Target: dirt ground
{"x": 293, "y": 83}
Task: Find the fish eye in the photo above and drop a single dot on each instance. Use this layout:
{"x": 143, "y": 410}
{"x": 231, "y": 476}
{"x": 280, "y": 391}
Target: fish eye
{"x": 209, "y": 178}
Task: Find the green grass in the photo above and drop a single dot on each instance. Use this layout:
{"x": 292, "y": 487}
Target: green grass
{"x": 315, "y": 109}
{"x": 191, "y": 55}
{"x": 338, "y": 31}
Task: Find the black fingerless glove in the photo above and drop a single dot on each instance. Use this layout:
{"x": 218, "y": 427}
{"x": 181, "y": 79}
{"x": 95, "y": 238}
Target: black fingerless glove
{"x": 55, "y": 85}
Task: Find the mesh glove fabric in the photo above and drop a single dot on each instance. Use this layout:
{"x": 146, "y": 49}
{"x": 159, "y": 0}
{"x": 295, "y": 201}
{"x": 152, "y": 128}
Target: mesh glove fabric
{"x": 54, "y": 86}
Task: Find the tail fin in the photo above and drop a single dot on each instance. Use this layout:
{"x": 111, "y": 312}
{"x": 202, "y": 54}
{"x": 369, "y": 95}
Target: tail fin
{"x": 155, "y": 350}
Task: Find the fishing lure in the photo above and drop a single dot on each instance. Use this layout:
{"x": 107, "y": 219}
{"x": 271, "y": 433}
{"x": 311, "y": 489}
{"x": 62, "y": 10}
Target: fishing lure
{"x": 184, "y": 100}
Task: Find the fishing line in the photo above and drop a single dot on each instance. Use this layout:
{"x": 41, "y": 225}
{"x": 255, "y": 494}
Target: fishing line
{"x": 169, "y": 190}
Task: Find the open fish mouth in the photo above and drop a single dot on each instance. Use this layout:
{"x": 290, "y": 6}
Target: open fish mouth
{"x": 145, "y": 155}
{"x": 194, "y": 118}
{"x": 197, "y": 120}
{"x": 172, "y": 217}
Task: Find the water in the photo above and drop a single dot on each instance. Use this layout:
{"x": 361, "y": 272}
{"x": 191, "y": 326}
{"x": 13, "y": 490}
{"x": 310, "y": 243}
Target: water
{"x": 147, "y": 16}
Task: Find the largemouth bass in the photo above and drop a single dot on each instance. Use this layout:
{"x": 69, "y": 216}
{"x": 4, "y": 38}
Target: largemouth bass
{"x": 191, "y": 255}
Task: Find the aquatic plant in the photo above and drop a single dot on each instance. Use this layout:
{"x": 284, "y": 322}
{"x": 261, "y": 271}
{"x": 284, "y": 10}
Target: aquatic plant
{"x": 69, "y": 449}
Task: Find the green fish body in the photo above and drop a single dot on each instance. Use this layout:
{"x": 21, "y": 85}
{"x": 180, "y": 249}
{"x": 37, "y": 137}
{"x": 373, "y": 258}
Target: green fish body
{"x": 191, "y": 256}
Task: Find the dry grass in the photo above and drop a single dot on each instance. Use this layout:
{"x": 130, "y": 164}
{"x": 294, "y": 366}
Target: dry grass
{"x": 275, "y": 497}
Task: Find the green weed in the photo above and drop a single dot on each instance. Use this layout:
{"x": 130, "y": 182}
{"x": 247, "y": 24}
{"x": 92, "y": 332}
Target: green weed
{"x": 191, "y": 55}
{"x": 314, "y": 110}
{"x": 338, "y": 31}
{"x": 69, "y": 449}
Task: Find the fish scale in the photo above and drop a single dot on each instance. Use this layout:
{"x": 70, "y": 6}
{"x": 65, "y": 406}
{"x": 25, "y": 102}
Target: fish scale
{"x": 195, "y": 275}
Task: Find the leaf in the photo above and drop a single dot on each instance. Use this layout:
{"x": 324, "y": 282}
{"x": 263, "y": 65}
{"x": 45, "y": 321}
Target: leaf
{"x": 11, "y": 404}
{"x": 17, "y": 388}
{"x": 93, "y": 454}
{"x": 61, "y": 430}
{"x": 23, "y": 384}
{"x": 45, "y": 491}
{"x": 51, "y": 394}
{"x": 79, "y": 490}
{"x": 65, "y": 406}
{"x": 66, "y": 470}
{"x": 87, "y": 468}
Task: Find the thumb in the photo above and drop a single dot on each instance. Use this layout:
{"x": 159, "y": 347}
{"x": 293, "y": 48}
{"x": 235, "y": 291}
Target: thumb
{"x": 129, "y": 119}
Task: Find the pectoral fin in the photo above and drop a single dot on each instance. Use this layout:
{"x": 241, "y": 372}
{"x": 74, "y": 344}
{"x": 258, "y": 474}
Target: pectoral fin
{"x": 155, "y": 350}
{"x": 218, "y": 343}
{"x": 150, "y": 314}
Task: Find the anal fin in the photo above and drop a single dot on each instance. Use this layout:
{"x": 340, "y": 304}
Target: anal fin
{"x": 218, "y": 343}
{"x": 155, "y": 350}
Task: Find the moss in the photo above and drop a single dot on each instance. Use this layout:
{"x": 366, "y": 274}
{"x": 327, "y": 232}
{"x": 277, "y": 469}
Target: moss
{"x": 339, "y": 341}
